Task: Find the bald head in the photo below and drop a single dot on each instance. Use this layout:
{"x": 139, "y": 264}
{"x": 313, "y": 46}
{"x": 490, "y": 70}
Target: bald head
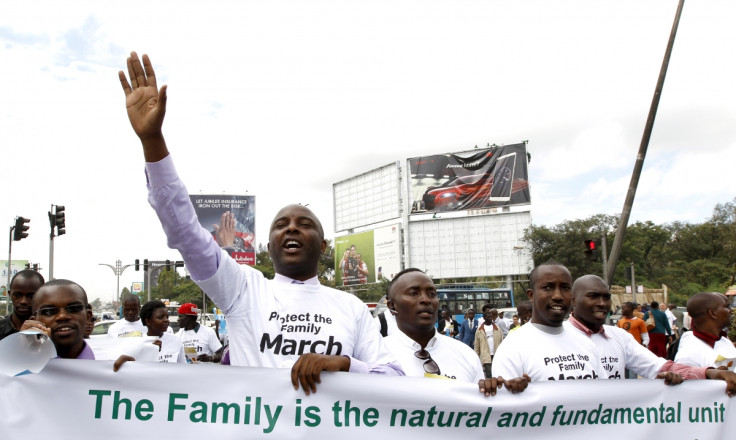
{"x": 586, "y": 282}
{"x": 710, "y": 311}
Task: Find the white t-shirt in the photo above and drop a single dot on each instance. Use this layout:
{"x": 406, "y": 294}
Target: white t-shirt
{"x": 172, "y": 349}
{"x": 670, "y": 317}
{"x": 544, "y": 356}
{"x": 455, "y": 359}
{"x": 620, "y": 350}
{"x": 693, "y": 351}
{"x": 489, "y": 338}
{"x": 271, "y": 322}
{"x": 199, "y": 341}
{"x": 127, "y": 329}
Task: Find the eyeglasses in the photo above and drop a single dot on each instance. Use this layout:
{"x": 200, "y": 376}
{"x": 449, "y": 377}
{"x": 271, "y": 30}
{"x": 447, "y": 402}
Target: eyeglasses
{"x": 430, "y": 366}
{"x": 53, "y": 311}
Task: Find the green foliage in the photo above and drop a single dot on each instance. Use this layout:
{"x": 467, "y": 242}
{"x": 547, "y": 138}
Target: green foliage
{"x": 688, "y": 258}
{"x": 368, "y": 292}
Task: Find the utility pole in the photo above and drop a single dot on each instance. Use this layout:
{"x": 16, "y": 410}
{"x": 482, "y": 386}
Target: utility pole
{"x": 628, "y": 203}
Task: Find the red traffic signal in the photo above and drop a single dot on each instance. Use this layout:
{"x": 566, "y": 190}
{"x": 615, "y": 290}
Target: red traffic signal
{"x": 591, "y": 251}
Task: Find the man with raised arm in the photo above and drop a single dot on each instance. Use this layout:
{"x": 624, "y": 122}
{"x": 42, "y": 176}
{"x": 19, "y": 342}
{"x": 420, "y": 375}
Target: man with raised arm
{"x": 289, "y": 322}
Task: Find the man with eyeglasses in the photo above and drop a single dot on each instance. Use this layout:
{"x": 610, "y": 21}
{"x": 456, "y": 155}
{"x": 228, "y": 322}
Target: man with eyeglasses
{"x": 421, "y": 350}
{"x": 60, "y": 311}
{"x": 22, "y": 288}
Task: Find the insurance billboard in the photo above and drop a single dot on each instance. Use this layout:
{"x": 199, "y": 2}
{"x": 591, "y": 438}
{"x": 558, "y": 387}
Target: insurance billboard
{"x": 482, "y": 178}
{"x": 368, "y": 257}
{"x": 210, "y": 207}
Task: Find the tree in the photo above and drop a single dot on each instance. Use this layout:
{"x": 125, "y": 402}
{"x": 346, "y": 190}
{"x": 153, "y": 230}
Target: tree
{"x": 688, "y": 258}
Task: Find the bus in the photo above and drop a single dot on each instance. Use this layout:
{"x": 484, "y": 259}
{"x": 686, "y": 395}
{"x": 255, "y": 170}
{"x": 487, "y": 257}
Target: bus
{"x": 458, "y": 298}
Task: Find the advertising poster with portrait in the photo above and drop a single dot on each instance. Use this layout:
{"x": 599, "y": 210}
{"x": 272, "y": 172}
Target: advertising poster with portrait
{"x": 210, "y": 207}
{"x": 368, "y": 257}
{"x": 483, "y": 178}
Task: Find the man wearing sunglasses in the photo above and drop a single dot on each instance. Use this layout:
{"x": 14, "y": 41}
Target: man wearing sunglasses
{"x": 60, "y": 311}
{"x": 421, "y": 350}
{"x": 22, "y": 288}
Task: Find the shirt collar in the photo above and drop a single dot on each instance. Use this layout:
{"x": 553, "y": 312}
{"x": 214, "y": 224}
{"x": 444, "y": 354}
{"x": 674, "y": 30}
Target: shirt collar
{"x": 588, "y": 332}
{"x": 415, "y": 345}
{"x": 284, "y": 279}
{"x": 87, "y": 352}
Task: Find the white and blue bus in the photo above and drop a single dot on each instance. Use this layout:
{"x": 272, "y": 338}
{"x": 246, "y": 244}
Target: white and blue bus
{"x": 458, "y": 298}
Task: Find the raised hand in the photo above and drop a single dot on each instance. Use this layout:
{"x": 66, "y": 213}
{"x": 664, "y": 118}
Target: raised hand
{"x": 225, "y": 231}
{"x": 146, "y": 106}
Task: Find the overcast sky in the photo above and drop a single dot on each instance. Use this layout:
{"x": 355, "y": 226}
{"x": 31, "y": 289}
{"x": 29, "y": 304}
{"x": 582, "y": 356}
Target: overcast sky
{"x": 281, "y": 99}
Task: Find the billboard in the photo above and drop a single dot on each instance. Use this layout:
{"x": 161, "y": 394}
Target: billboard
{"x": 209, "y": 210}
{"x": 473, "y": 246}
{"x": 369, "y": 198}
{"x": 15, "y": 267}
{"x": 477, "y": 179}
{"x": 368, "y": 257}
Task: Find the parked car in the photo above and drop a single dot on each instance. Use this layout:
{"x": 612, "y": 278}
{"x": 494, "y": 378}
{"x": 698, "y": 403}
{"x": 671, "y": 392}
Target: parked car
{"x": 101, "y": 327}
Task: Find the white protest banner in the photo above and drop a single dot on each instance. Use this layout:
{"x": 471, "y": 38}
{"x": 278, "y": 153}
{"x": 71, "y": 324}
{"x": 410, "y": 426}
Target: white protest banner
{"x": 85, "y": 399}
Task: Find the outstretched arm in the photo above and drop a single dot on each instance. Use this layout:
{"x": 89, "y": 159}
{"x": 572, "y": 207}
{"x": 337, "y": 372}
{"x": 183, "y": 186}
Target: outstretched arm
{"x": 146, "y": 106}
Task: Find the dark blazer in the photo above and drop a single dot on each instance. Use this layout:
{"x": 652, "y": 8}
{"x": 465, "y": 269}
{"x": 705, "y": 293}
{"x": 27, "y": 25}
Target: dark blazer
{"x": 467, "y": 336}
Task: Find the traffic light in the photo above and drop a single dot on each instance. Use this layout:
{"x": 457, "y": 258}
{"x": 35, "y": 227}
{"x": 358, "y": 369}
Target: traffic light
{"x": 137, "y": 265}
{"x": 590, "y": 250}
{"x": 57, "y": 219}
{"x": 19, "y": 232}
{"x": 145, "y": 265}
{"x": 168, "y": 265}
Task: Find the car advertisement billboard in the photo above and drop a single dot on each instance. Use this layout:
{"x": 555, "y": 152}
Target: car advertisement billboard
{"x": 368, "y": 257}
{"x": 482, "y": 178}
{"x": 240, "y": 245}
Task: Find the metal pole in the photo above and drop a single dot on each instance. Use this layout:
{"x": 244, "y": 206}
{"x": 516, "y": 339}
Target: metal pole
{"x": 624, "y": 220}
{"x": 51, "y": 256}
{"x": 633, "y": 283}
{"x": 605, "y": 258}
{"x": 52, "y": 220}
{"x": 10, "y": 264}
{"x": 118, "y": 272}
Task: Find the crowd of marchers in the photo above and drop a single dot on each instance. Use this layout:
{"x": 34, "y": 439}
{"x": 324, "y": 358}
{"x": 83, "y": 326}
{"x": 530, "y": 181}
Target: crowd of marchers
{"x": 560, "y": 334}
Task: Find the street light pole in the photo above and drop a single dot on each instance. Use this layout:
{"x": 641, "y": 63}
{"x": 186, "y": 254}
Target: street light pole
{"x": 118, "y": 270}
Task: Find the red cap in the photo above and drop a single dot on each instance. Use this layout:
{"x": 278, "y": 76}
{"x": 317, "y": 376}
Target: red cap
{"x": 188, "y": 309}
